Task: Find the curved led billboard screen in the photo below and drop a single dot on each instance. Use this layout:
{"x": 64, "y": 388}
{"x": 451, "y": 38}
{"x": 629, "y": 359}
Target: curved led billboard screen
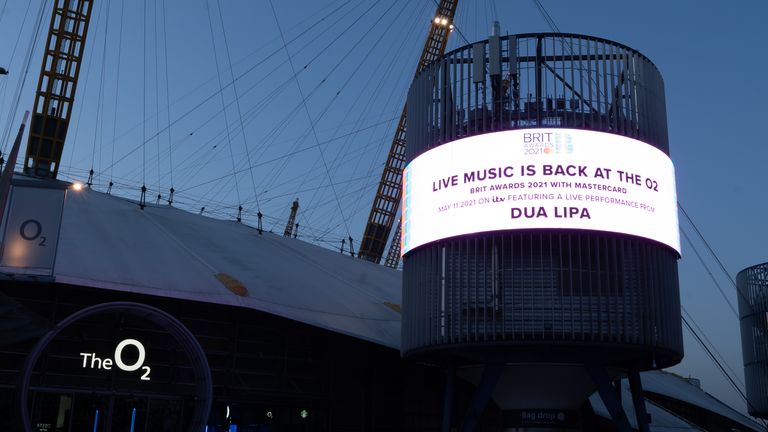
{"x": 540, "y": 179}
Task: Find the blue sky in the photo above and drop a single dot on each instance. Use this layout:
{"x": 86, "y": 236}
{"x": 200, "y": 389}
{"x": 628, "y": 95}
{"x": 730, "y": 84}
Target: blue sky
{"x": 355, "y": 59}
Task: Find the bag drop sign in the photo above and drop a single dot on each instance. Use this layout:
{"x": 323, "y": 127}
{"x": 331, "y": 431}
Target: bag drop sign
{"x": 92, "y": 361}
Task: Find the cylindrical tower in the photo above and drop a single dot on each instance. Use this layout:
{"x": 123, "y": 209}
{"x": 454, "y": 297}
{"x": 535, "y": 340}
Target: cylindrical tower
{"x": 539, "y": 209}
{"x": 752, "y": 284}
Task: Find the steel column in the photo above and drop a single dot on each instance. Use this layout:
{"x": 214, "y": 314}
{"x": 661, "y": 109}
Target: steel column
{"x": 450, "y": 378}
{"x": 483, "y": 393}
{"x": 636, "y": 387}
{"x": 608, "y": 395}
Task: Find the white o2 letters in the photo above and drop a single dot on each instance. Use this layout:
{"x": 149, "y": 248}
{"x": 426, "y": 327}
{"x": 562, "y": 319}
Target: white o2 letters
{"x": 91, "y": 361}
{"x": 119, "y": 355}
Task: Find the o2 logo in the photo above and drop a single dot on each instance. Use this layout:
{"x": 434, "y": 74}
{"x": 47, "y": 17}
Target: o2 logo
{"x": 106, "y": 363}
{"x": 31, "y": 230}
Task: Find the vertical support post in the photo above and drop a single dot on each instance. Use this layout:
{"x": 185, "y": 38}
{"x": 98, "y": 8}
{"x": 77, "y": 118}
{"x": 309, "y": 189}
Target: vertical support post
{"x": 291, "y": 219}
{"x": 450, "y": 377}
{"x": 636, "y": 387}
{"x": 7, "y": 175}
{"x": 482, "y": 395}
{"x": 539, "y": 101}
{"x": 608, "y": 395}
{"x": 143, "y": 199}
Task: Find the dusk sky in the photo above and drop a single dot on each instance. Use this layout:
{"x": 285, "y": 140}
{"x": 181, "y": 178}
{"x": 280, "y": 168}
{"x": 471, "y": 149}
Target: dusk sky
{"x": 154, "y": 115}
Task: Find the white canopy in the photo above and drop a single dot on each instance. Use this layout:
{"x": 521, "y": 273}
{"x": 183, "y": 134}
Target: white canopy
{"x": 109, "y": 242}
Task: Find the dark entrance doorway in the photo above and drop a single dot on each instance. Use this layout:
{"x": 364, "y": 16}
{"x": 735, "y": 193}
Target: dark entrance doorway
{"x": 101, "y": 368}
{"x": 57, "y": 411}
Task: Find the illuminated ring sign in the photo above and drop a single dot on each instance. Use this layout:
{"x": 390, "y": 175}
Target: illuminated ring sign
{"x": 187, "y": 341}
{"x": 540, "y": 179}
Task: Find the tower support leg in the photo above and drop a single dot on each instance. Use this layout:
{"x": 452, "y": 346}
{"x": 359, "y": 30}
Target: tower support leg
{"x": 450, "y": 377}
{"x": 636, "y": 387}
{"x": 482, "y": 395}
{"x": 608, "y": 395}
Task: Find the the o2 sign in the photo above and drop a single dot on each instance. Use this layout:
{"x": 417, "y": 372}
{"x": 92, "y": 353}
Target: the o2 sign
{"x": 91, "y": 361}
{"x": 200, "y": 400}
{"x": 32, "y": 230}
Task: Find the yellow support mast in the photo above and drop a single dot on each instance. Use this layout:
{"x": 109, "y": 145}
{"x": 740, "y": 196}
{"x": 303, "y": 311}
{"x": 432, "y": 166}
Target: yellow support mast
{"x": 56, "y": 87}
{"x": 291, "y": 227}
{"x": 389, "y": 192}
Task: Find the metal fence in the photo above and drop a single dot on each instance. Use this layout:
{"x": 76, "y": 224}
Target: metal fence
{"x": 537, "y": 80}
{"x": 537, "y": 287}
{"x": 752, "y": 284}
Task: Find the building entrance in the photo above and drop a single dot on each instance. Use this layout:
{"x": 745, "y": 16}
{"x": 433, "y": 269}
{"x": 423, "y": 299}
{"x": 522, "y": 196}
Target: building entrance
{"x": 111, "y": 367}
{"x": 57, "y": 411}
